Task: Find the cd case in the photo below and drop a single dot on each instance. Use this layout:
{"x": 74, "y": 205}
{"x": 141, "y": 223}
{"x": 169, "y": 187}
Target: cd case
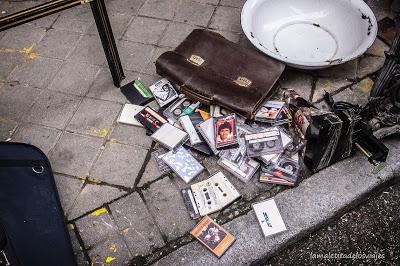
{"x": 269, "y": 217}
{"x": 128, "y": 113}
{"x": 213, "y": 236}
{"x": 163, "y": 92}
{"x": 183, "y": 164}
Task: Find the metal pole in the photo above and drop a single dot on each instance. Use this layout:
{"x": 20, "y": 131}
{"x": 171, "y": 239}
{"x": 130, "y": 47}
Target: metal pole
{"x": 107, "y": 38}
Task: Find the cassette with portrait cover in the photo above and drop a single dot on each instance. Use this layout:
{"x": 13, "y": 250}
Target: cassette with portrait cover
{"x": 270, "y": 111}
{"x": 213, "y": 236}
{"x": 264, "y": 143}
{"x": 175, "y": 110}
{"x": 163, "y": 92}
{"x": 225, "y": 132}
{"x": 150, "y": 119}
{"x": 183, "y": 164}
{"x": 214, "y": 193}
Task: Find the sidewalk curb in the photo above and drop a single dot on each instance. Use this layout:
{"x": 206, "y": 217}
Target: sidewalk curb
{"x": 304, "y": 209}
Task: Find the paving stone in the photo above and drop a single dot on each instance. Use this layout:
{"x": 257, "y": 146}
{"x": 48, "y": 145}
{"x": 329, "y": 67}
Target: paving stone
{"x": 226, "y": 18}
{"x": 123, "y": 6}
{"x": 73, "y": 25}
{"x": 164, "y": 9}
{"x": 7, "y": 128}
{"x": 74, "y": 154}
{"x": 94, "y": 116}
{"x": 45, "y": 22}
{"x": 119, "y": 23}
{"x": 160, "y": 198}
{"x": 8, "y": 61}
{"x": 369, "y": 65}
{"x": 89, "y": 50}
{"x": 233, "y": 37}
{"x": 111, "y": 252}
{"x": 68, "y": 189}
{"x": 96, "y": 227}
{"x": 234, "y": 3}
{"x": 212, "y": 2}
{"x": 134, "y": 56}
{"x": 119, "y": 164}
{"x": 131, "y": 135}
{"x": 145, "y": 30}
{"x": 329, "y": 85}
{"x": 21, "y": 37}
{"x": 81, "y": 12}
{"x": 146, "y": 79}
{"x": 357, "y": 94}
{"x": 15, "y": 100}
{"x": 42, "y": 137}
{"x": 53, "y": 109}
{"x": 378, "y": 48}
{"x": 136, "y": 225}
{"x": 150, "y": 67}
{"x": 38, "y": 72}
{"x": 74, "y": 78}
{"x": 150, "y": 173}
{"x": 298, "y": 81}
{"x": 76, "y": 247}
{"x": 93, "y": 197}
{"x": 194, "y": 13}
{"x": 346, "y": 71}
{"x": 57, "y": 43}
{"x": 103, "y": 88}
{"x": 176, "y": 32}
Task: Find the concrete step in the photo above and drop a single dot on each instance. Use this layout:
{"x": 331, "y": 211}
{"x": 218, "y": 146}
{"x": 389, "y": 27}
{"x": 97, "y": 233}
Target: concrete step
{"x": 304, "y": 209}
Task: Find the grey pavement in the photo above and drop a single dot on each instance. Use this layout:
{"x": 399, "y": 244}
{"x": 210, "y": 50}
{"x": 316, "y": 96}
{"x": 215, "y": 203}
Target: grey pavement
{"x": 56, "y": 92}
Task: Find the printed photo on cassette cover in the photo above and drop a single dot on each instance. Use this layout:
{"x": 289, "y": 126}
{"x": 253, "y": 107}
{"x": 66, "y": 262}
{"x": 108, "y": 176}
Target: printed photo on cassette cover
{"x": 183, "y": 164}
{"x": 213, "y": 236}
{"x": 175, "y": 110}
{"x": 164, "y": 92}
{"x": 269, "y": 111}
{"x": 225, "y": 131}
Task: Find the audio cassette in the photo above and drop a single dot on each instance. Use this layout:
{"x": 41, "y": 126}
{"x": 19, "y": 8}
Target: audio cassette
{"x": 264, "y": 143}
{"x": 225, "y": 129}
{"x": 175, "y": 110}
{"x": 183, "y": 164}
{"x": 206, "y": 129}
{"x": 164, "y": 92}
{"x": 190, "y": 204}
{"x": 214, "y": 193}
{"x": 286, "y": 168}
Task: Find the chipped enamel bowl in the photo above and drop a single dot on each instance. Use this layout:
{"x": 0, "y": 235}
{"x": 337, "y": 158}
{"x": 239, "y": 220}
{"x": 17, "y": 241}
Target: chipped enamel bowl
{"x": 310, "y": 34}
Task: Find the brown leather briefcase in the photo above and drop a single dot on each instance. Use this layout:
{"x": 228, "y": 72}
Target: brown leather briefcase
{"x": 212, "y": 70}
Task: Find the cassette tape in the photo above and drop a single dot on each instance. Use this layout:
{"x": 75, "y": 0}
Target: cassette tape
{"x": 163, "y": 92}
{"x": 235, "y": 160}
{"x": 286, "y": 168}
{"x": 264, "y": 143}
{"x": 157, "y": 157}
{"x": 213, "y": 194}
{"x": 270, "y": 111}
{"x": 190, "y": 204}
{"x": 175, "y": 110}
{"x": 225, "y": 129}
{"x": 188, "y": 126}
{"x": 206, "y": 129}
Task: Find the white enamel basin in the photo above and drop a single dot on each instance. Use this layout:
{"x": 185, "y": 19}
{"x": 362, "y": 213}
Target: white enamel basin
{"x": 310, "y": 34}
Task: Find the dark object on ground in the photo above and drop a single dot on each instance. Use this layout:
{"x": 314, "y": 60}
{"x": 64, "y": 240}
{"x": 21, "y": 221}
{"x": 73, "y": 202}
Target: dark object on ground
{"x": 31, "y": 215}
{"x": 212, "y": 70}
{"x": 100, "y": 16}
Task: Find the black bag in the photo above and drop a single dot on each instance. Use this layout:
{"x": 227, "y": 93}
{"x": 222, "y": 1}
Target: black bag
{"x": 32, "y": 226}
